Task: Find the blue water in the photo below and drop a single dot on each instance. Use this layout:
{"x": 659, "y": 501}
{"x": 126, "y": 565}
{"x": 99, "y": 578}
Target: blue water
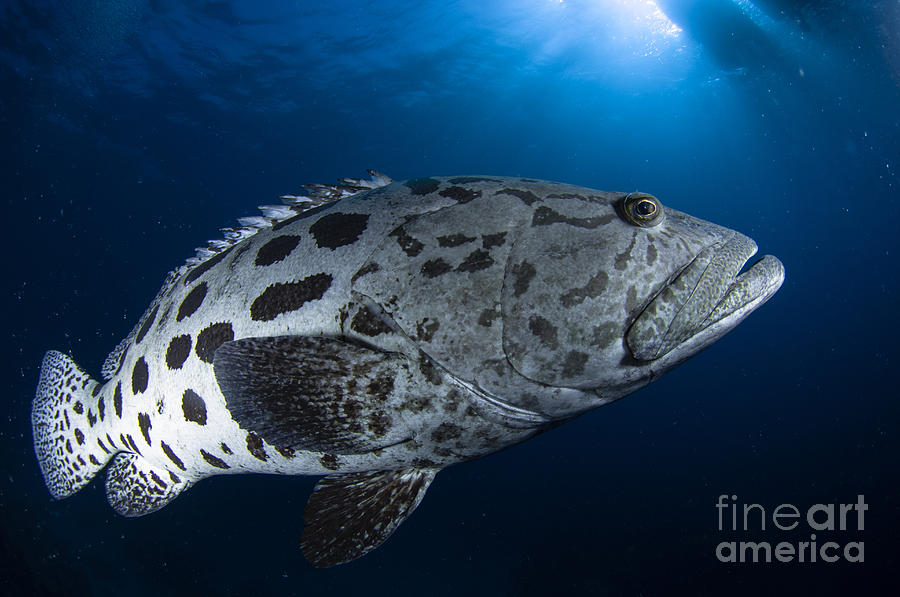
{"x": 133, "y": 130}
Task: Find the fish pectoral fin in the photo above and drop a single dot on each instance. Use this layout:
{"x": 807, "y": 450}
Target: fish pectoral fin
{"x": 313, "y": 393}
{"x": 349, "y": 515}
{"x": 134, "y": 487}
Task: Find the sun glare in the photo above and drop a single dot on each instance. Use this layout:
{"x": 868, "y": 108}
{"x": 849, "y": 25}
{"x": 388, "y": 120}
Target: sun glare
{"x": 647, "y": 13}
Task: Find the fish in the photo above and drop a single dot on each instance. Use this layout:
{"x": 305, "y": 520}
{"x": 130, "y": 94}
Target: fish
{"x": 375, "y": 332}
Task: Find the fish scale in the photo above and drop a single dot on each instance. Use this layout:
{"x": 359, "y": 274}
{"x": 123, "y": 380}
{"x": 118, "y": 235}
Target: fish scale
{"x": 376, "y": 332}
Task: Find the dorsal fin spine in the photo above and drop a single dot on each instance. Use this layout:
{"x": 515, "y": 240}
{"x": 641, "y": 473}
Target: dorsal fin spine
{"x": 316, "y": 195}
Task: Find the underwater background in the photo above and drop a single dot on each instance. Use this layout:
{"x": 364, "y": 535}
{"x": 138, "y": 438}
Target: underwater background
{"x": 131, "y": 131}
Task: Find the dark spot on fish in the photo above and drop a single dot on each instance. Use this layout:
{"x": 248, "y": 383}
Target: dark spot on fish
{"x": 276, "y": 249}
{"x": 94, "y": 460}
{"x": 567, "y": 196}
{"x": 178, "y": 351}
{"x": 255, "y": 447}
{"x": 68, "y": 446}
{"x": 475, "y": 261}
{"x": 544, "y": 216}
{"x": 369, "y": 268}
{"x": 79, "y": 436}
{"x": 435, "y": 267}
{"x": 460, "y": 194}
{"x": 624, "y": 257}
{"x": 422, "y": 186}
{"x": 543, "y": 329}
{"x": 604, "y": 335}
{"x": 451, "y": 401}
{"x": 574, "y": 363}
{"x": 471, "y": 179}
{"x": 489, "y": 241}
{"x": 368, "y": 324}
{"x": 631, "y": 301}
{"x": 140, "y": 376}
{"x": 285, "y": 297}
{"x": 210, "y": 338}
{"x": 523, "y": 273}
{"x": 213, "y": 460}
{"x": 594, "y": 288}
{"x": 338, "y": 229}
{"x": 285, "y": 451}
{"x": 380, "y": 387}
{"x": 424, "y": 463}
{"x": 414, "y": 403}
{"x": 130, "y": 441}
{"x": 157, "y": 480}
{"x": 431, "y": 373}
{"x": 426, "y": 328}
{"x": 445, "y": 432}
{"x": 225, "y": 448}
{"x": 329, "y": 461}
{"x": 145, "y": 425}
{"x": 379, "y": 423}
{"x": 193, "y": 407}
{"x": 174, "y": 477}
{"x": 205, "y": 267}
{"x": 78, "y": 407}
{"x": 145, "y": 327}
{"x": 92, "y": 419}
{"x": 410, "y": 245}
{"x": 192, "y": 301}
{"x": 487, "y": 317}
{"x": 527, "y": 197}
{"x": 96, "y": 390}
{"x": 651, "y": 254}
{"x": 454, "y": 240}
{"x": 117, "y": 401}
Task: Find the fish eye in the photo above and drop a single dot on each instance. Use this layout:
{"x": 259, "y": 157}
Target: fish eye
{"x": 642, "y": 209}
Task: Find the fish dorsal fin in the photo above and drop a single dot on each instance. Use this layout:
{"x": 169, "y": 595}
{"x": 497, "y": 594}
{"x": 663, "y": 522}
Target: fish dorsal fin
{"x": 316, "y": 196}
{"x": 350, "y": 515}
{"x": 315, "y": 393}
{"x": 135, "y": 487}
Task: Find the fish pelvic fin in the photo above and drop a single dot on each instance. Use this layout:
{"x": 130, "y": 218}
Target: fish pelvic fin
{"x": 349, "y": 515}
{"x": 66, "y": 417}
{"x": 134, "y": 487}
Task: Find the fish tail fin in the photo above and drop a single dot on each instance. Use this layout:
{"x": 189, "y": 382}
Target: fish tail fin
{"x": 64, "y": 422}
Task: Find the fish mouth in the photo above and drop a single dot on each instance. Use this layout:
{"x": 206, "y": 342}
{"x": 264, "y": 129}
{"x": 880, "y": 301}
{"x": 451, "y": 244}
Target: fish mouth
{"x": 704, "y": 301}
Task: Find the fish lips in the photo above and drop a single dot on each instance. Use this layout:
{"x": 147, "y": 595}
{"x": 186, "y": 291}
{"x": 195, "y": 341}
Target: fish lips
{"x": 704, "y": 301}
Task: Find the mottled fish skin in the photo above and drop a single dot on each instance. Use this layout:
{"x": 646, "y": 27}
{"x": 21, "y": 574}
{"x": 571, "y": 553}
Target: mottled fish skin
{"x": 452, "y": 316}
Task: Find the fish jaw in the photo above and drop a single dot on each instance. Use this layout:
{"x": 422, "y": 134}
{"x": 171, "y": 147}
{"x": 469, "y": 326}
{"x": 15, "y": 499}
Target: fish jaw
{"x": 703, "y": 302}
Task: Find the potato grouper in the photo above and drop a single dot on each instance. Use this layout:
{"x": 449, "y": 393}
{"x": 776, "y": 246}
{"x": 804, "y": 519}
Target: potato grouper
{"x": 376, "y": 332}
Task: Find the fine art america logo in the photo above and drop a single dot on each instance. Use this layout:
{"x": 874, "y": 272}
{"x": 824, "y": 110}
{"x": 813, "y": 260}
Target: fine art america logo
{"x": 740, "y": 522}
